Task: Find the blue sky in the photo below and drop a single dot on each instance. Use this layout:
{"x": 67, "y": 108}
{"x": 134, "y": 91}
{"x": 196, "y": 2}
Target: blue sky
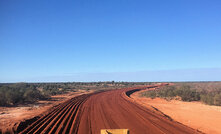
{"x": 98, "y": 40}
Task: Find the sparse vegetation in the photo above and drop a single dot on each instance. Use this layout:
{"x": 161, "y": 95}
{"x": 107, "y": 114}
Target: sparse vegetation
{"x": 171, "y": 92}
{"x": 188, "y": 92}
{"x": 21, "y": 93}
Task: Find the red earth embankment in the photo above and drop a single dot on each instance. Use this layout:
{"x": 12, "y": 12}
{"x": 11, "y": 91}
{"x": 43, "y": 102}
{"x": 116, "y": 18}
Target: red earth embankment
{"x": 194, "y": 114}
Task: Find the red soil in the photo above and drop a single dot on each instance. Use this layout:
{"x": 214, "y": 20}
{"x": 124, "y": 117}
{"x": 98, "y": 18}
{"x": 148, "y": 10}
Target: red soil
{"x": 88, "y": 114}
{"x": 194, "y": 114}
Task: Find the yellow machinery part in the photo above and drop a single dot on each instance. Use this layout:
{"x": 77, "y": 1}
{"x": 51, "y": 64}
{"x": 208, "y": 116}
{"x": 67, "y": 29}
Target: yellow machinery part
{"x": 114, "y": 131}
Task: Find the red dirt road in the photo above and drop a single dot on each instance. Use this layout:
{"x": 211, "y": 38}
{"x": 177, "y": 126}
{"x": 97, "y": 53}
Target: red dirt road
{"x": 87, "y": 114}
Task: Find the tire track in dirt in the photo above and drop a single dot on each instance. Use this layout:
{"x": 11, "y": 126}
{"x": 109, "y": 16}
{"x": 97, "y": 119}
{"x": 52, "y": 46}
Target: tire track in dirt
{"x": 62, "y": 119}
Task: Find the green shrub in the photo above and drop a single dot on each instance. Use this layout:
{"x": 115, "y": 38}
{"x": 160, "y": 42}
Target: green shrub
{"x": 150, "y": 94}
{"x": 184, "y": 92}
{"x": 207, "y": 99}
{"x": 217, "y": 99}
{"x": 19, "y": 94}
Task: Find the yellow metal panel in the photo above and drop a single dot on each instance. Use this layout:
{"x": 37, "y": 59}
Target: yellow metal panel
{"x": 114, "y": 131}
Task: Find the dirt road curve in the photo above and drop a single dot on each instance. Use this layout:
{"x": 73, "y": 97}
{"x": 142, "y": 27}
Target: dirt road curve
{"x": 87, "y": 114}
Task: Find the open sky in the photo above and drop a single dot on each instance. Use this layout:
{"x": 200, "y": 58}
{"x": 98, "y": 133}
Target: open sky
{"x": 100, "y": 40}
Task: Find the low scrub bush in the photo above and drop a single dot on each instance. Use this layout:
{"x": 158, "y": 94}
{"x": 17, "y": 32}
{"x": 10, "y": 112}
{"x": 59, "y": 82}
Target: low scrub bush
{"x": 186, "y": 94}
{"x": 211, "y": 99}
{"x": 170, "y": 92}
{"x": 13, "y": 95}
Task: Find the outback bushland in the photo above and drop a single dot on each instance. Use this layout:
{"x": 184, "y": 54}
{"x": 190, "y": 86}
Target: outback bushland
{"x": 189, "y": 92}
{"x": 12, "y": 94}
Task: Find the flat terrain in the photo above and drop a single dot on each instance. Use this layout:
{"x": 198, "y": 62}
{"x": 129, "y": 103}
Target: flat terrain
{"x": 89, "y": 113}
{"x": 194, "y": 114}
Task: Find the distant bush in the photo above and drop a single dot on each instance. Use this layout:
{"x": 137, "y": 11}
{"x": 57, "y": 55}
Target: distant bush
{"x": 211, "y": 99}
{"x": 170, "y": 92}
{"x": 217, "y": 99}
{"x": 33, "y": 95}
{"x": 186, "y": 94}
{"x": 18, "y": 94}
